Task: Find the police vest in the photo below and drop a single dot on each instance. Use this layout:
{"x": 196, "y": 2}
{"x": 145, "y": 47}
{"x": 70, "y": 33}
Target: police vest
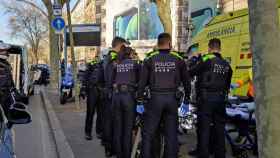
{"x": 217, "y": 76}
{"x": 94, "y": 73}
{"x": 126, "y": 72}
{"x": 165, "y": 73}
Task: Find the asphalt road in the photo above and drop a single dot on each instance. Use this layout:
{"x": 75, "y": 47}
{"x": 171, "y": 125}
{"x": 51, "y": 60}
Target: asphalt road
{"x": 34, "y": 140}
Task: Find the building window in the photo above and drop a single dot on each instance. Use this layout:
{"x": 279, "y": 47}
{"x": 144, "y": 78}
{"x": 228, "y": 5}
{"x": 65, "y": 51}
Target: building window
{"x": 98, "y": 20}
{"x": 233, "y": 5}
{"x": 98, "y": 9}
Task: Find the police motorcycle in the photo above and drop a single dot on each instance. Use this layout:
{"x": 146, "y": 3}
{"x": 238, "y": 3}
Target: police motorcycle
{"x": 241, "y": 131}
{"x": 187, "y": 118}
{"x": 67, "y": 84}
{"x": 187, "y": 112}
{"x": 17, "y": 114}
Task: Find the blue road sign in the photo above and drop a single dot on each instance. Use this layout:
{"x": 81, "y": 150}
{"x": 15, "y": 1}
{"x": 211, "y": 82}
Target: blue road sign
{"x": 58, "y": 24}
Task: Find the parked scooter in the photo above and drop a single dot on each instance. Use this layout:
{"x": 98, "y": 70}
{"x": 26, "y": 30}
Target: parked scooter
{"x": 67, "y": 85}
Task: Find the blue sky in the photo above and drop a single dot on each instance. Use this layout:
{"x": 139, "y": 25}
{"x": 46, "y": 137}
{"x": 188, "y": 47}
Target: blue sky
{"x": 4, "y": 28}
{"x": 4, "y": 31}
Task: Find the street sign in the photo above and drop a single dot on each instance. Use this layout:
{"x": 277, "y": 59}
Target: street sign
{"x": 58, "y": 24}
{"x": 57, "y": 10}
{"x": 84, "y": 35}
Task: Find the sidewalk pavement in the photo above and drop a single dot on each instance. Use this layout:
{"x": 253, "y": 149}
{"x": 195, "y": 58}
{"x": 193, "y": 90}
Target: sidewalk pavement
{"x": 35, "y": 140}
{"x": 72, "y": 122}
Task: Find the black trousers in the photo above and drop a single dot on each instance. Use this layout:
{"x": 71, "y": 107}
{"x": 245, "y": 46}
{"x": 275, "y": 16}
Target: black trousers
{"x": 108, "y": 124}
{"x": 100, "y": 116}
{"x": 93, "y": 105}
{"x": 211, "y": 123}
{"x": 124, "y": 117}
{"x": 161, "y": 107}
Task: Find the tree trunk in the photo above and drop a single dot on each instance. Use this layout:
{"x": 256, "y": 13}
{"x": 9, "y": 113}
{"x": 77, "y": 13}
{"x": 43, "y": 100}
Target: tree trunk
{"x": 36, "y": 51}
{"x": 54, "y": 53}
{"x": 264, "y": 29}
{"x": 74, "y": 63}
{"x": 164, "y": 11}
{"x": 53, "y": 47}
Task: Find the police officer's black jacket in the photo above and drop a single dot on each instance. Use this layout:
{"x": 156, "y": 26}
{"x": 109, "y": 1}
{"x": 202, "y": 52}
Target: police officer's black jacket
{"x": 93, "y": 75}
{"x": 109, "y": 64}
{"x": 164, "y": 71}
{"x": 126, "y": 72}
{"x": 214, "y": 74}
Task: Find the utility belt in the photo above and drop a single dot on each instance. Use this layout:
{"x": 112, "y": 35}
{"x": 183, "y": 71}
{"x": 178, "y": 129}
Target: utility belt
{"x": 123, "y": 88}
{"x": 212, "y": 95}
{"x": 164, "y": 90}
{"x": 91, "y": 85}
{"x": 167, "y": 91}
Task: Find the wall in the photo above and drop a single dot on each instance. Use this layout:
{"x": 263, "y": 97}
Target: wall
{"x": 233, "y": 5}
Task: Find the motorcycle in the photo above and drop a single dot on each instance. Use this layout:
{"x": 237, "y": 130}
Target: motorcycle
{"x": 187, "y": 120}
{"x": 66, "y": 86}
{"x": 17, "y": 114}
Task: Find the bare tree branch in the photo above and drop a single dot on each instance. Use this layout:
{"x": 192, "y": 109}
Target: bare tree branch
{"x": 27, "y": 24}
{"x": 35, "y": 6}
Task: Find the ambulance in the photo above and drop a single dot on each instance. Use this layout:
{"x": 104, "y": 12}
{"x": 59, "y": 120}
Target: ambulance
{"x": 233, "y": 30}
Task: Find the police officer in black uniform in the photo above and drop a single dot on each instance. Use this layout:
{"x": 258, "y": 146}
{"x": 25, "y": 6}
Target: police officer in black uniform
{"x": 125, "y": 80}
{"x": 164, "y": 71}
{"x": 6, "y": 78}
{"x": 90, "y": 86}
{"x": 214, "y": 77}
{"x": 109, "y": 63}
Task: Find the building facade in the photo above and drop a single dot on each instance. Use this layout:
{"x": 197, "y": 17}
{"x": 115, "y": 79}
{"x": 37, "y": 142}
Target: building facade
{"x": 85, "y": 12}
{"x": 233, "y": 5}
{"x": 135, "y": 20}
{"x": 138, "y": 21}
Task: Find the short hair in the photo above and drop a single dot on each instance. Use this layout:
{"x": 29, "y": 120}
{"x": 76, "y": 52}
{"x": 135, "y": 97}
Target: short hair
{"x": 214, "y": 43}
{"x": 164, "y": 38}
{"x": 118, "y": 40}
